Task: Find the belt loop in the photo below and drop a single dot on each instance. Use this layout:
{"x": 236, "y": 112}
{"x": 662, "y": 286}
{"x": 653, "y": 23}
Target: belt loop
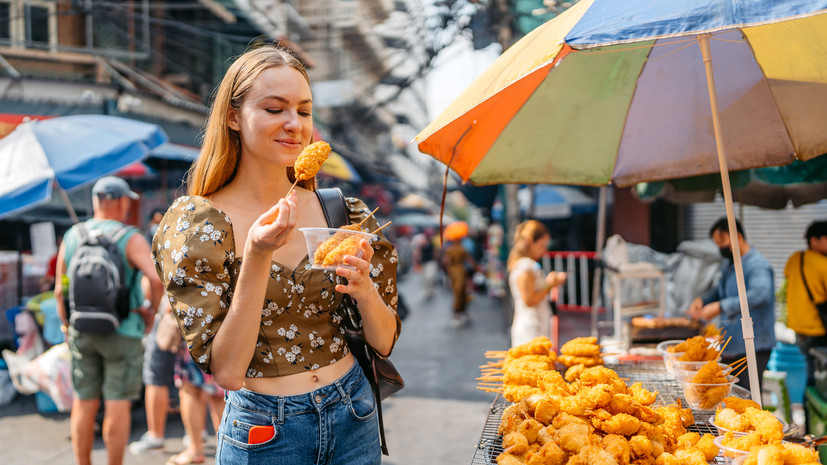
{"x": 281, "y": 410}
{"x": 341, "y": 391}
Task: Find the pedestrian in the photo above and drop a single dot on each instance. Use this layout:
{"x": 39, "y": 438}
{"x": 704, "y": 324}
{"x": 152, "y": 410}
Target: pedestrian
{"x": 425, "y": 261}
{"x": 155, "y": 218}
{"x": 531, "y": 290}
{"x": 108, "y": 366}
{"x": 722, "y": 303}
{"x": 806, "y": 275}
{"x": 458, "y": 264}
{"x": 253, "y": 311}
{"x": 158, "y": 378}
{"x": 198, "y": 393}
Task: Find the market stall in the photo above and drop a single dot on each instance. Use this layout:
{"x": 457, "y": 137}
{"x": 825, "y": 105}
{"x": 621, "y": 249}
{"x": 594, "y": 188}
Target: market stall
{"x": 658, "y": 411}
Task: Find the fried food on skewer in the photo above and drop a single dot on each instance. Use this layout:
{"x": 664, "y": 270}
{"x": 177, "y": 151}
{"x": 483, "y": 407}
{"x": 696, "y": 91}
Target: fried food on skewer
{"x": 310, "y": 161}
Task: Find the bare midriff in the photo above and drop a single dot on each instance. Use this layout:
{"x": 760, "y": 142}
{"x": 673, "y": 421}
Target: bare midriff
{"x": 300, "y": 383}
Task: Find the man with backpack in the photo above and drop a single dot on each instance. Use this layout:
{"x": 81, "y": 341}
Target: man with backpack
{"x": 105, "y": 315}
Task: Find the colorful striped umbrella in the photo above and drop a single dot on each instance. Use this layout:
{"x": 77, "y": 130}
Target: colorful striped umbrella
{"x": 628, "y": 91}
{"x": 615, "y": 91}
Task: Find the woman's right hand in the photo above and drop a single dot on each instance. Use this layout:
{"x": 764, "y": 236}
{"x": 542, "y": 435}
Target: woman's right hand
{"x": 274, "y": 228}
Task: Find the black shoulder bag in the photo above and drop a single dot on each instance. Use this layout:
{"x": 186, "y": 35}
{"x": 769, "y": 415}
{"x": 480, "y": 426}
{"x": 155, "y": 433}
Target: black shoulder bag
{"x": 821, "y": 307}
{"x": 383, "y": 377}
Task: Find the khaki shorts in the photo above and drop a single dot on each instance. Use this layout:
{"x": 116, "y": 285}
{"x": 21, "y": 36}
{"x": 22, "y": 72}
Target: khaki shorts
{"x": 107, "y": 366}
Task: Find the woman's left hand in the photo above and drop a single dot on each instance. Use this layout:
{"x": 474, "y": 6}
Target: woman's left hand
{"x": 359, "y": 284}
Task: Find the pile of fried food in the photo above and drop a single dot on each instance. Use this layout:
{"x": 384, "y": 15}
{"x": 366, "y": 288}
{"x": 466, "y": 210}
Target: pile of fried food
{"x": 580, "y": 351}
{"x": 763, "y": 435}
{"x": 708, "y": 387}
{"x": 695, "y": 349}
{"x": 590, "y": 416}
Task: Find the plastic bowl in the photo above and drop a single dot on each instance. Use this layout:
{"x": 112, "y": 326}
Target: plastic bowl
{"x": 687, "y": 370}
{"x": 706, "y": 396}
{"x": 334, "y": 252}
{"x": 669, "y": 358}
{"x": 722, "y": 431}
{"x": 730, "y": 455}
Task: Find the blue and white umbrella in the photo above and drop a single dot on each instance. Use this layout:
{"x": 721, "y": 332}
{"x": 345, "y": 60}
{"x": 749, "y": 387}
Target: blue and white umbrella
{"x": 68, "y": 152}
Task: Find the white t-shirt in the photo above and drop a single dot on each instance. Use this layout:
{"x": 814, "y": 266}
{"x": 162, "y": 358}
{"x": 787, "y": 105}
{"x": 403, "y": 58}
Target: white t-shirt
{"x": 529, "y": 322}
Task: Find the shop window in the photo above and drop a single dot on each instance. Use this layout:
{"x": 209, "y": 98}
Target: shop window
{"x": 28, "y": 23}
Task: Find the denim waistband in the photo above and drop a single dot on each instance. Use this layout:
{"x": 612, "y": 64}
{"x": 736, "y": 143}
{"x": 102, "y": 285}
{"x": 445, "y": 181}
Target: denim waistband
{"x": 279, "y": 406}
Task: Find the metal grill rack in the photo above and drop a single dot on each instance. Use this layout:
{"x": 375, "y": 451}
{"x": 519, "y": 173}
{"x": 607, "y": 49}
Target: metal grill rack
{"x": 653, "y": 376}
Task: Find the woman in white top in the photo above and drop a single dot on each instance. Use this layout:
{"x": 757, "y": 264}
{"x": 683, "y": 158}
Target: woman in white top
{"x": 530, "y": 290}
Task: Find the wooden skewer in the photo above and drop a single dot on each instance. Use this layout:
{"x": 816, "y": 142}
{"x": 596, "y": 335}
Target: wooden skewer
{"x": 488, "y": 389}
{"x": 490, "y": 378}
{"x": 724, "y": 347}
{"x": 380, "y": 227}
{"x": 737, "y": 362}
{"x": 741, "y": 370}
{"x": 291, "y": 188}
{"x": 366, "y": 218}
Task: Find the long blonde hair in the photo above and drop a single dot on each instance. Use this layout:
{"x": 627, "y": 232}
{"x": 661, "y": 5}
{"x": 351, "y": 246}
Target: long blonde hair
{"x": 527, "y": 233}
{"x": 221, "y": 150}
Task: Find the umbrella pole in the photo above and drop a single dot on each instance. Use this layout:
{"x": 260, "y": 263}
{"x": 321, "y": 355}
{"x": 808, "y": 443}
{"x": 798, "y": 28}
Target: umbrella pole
{"x": 746, "y": 320}
{"x": 597, "y": 287}
{"x": 68, "y": 203}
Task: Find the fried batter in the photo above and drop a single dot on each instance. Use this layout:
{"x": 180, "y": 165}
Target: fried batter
{"x": 310, "y": 160}
{"x": 739, "y": 405}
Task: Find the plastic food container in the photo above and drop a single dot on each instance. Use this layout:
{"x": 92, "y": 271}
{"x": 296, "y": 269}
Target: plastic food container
{"x": 722, "y": 431}
{"x": 327, "y": 247}
{"x": 669, "y": 358}
{"x": 706, "y": 396}
{"x": 687, "y": 370}
{"x": 731, "y": 456}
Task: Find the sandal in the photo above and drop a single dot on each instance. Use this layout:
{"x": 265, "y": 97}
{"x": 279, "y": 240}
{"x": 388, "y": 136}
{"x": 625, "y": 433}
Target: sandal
{"x": 186, "y": 458}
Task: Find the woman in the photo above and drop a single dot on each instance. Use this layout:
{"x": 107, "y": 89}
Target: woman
{"x": 253, "y": 312}
{"x": 532, "y": 311}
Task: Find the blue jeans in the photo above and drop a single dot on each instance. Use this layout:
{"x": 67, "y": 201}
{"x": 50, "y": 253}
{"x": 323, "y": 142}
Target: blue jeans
{"x": 335, "y": 424}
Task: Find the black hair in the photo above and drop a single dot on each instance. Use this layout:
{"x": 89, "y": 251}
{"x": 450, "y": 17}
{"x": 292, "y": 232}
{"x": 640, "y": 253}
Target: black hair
{"x": 816, "y": 229}
{"x": 723, "y": 226}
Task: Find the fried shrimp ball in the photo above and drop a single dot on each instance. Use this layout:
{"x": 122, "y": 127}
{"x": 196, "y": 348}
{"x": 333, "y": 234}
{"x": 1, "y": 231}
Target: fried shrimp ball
{"x": 348, "y": 246}
{"x": 618, "y": 446}
{"x": 573, "y": 372}
{"x": 622, "y": 424}
{"x": 739, "y": 405}
{"x": 573, "y": 437}
{"x": 643, "y": 395}
{"x": 765, "y": 424}
{"x": 571, "y": 360}
{"x": 310, "y": 160}
{"x": 728, "y": 418}
{"x": 515, "y": 443}
{"x": 549, "y": 454}
{"x": 540, "y": 345}
{"x": 592, "y": 455}
{"x": 708, "y": 447}
{"x": 581, "y": 347}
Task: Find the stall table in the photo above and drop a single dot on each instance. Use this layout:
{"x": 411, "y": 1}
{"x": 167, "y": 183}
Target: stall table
{"x": 652, "y": 375}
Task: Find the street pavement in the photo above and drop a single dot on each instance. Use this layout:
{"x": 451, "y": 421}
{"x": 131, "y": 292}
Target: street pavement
{"x": 437, "y": 418}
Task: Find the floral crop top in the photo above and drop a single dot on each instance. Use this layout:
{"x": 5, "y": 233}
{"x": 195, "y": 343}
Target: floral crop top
{"x": 194, "y": 253}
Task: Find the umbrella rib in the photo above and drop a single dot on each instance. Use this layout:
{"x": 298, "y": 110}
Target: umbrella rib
{"x": 445, "y": 180}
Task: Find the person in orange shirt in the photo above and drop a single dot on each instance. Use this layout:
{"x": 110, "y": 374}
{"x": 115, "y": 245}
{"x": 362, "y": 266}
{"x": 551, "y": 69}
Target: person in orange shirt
{"x": 805, "y": 270}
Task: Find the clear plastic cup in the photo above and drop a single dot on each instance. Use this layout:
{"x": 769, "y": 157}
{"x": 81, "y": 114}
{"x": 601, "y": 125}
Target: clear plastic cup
{"x": 333, "y": 249}
{"x": 669, "y": 358}
{"x": 731, "y": 456}
{"x": 687, "y": 370}
{"x": 701, "y": 396}
{"x": 785, "y": 427}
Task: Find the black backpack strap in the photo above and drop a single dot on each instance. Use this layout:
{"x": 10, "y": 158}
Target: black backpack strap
{"x": 804, "y": 279}
{"x": 333, "y": 206}
{"x": 83, "y": 232}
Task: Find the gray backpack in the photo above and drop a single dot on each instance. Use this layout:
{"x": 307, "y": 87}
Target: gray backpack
{"x": 98, "y": 292}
